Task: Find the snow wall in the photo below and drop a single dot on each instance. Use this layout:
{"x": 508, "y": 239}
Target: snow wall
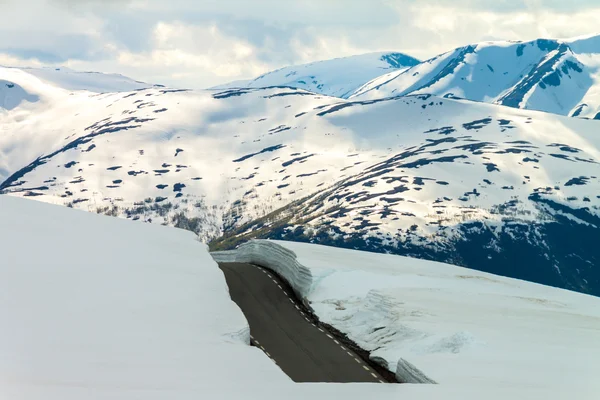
{"x": 275, "y": 257}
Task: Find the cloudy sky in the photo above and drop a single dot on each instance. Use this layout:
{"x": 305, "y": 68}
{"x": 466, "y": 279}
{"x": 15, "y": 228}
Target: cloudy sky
{"x": 200, "y": 43}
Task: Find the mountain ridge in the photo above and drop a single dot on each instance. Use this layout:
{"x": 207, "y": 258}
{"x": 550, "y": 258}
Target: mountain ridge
{"x": 551, "y": 75}
{"x": 516, "y": 74}
{"x": 337, "y": 77}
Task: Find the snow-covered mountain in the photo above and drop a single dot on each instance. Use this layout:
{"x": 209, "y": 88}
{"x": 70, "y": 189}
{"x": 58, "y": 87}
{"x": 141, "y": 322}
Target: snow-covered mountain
{"x": 509, "y": 191}
{"x": 69, "y": 79}
{"x": 555, "y": 76}
{"x": 514, "y": 192}
{"x": 547, "y": 75}
{"x": 339, "y": 77}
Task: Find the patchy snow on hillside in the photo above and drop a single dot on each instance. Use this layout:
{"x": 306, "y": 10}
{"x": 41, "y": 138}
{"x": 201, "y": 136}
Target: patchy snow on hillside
{"x": 338, "y": 77}
{"x": 457, "y": 326}
{"x": 462, "y": 173}
{"x": 204, "y": 151}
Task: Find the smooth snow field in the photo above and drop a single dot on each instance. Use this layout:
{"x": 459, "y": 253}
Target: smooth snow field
{"x": 455, "y": 325}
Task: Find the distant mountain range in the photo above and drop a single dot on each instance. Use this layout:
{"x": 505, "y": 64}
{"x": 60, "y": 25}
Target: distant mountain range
{"x": 556, "y": 76}
{"x": 453, "y": 175}
{"x": 339, "y": 77}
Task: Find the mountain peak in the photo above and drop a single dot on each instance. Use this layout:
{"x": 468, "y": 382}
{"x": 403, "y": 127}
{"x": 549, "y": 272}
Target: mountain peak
{"x": 551, "y": 75}
{"x": 338, "y": 77}
{"x": 399, "y": 60}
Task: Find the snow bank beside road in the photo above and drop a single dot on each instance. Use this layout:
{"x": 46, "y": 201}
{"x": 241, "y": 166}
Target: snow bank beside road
{"x": 93, "y": 305}
{"x": 454, "y": 324}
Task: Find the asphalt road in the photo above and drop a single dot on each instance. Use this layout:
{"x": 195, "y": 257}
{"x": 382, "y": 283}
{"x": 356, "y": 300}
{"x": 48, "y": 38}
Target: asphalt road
{"x": 280, "y": 327}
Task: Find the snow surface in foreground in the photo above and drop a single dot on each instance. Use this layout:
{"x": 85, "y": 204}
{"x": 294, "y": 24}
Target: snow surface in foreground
{"x": 456, "y": 325}
{"x": 99, "y": 304}
{"x": 93, "y": 307}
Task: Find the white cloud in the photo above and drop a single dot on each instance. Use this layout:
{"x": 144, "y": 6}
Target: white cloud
{"x": 182, "y": 55}
{"x": 323, "y": 47}
{"x": 439, "y": 28}
{"x": 186, "y": 48}
{"x": 202, "y": 43}
{"x": 11, "y": 61}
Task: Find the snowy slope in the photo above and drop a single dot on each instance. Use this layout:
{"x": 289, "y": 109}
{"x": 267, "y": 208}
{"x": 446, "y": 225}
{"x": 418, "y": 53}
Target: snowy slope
{"x": 69, "y": 79}
{"x": 337, "y": 77}
{"x": 416, "y": 175}
{"x": 454, "y": 325}
{"x": 466, "y": 183}
{"x": 123, "y": 148}
{"x": 109, "y": 309}
{"x": 548, "y": 75}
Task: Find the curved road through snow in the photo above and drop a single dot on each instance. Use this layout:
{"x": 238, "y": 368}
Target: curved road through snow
{"x": 281, "y": 328}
